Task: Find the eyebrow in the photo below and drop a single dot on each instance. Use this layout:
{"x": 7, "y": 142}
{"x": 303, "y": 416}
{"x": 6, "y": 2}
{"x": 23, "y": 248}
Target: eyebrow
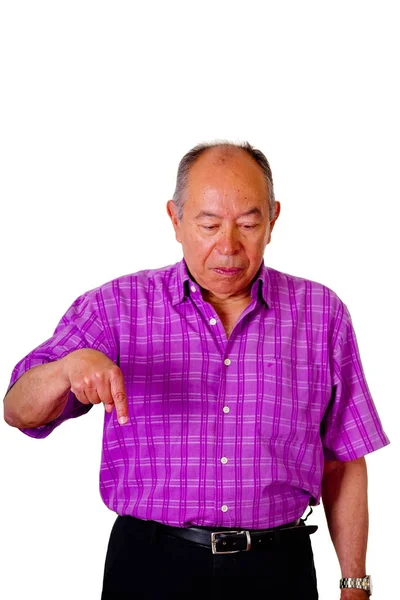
{"x": 253, "y": 211}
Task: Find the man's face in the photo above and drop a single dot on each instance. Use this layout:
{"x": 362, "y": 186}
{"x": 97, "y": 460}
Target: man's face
{"x": 225, "y": 225}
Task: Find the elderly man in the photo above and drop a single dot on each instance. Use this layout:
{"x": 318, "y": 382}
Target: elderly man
{"x": 234, "y": 399}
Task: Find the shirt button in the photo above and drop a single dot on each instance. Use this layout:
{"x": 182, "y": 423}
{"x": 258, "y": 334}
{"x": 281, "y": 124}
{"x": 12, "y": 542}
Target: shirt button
{"x": 213, "y": 321}
{"x": 227, "y": 362}
{"x": 192, "y": 288}
{"x": 224, "y": 508}
{"x": 226, "y": 409}
{"x": 224, "y": 460}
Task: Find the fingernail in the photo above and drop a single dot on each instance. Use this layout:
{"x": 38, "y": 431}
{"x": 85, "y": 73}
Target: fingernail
{"x": 123, "y": 420}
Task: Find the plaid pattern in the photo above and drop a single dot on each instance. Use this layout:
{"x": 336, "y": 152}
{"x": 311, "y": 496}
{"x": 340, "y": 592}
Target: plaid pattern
{"x": 222, "y": 432}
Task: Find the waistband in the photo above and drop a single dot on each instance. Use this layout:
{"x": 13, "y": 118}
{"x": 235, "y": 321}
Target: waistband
{"x": 230, "y": 541}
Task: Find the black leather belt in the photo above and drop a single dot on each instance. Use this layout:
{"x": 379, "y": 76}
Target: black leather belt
{"x": 238, "y": 540}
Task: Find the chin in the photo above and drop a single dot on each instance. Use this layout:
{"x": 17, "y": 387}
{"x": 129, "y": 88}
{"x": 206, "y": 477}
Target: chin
{"x": 227, "y": 287}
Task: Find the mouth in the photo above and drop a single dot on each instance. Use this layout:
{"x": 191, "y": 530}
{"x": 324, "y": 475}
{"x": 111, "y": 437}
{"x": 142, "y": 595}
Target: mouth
{"x": 228, "y": 272}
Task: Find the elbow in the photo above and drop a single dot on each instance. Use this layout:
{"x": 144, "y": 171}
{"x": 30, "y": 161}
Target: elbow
{"x": 11, "y": 416}
{"x": 15, "y": 421}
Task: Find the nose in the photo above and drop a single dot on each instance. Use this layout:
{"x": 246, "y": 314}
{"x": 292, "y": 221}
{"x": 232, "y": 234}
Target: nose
{"x": 228, "y": 242}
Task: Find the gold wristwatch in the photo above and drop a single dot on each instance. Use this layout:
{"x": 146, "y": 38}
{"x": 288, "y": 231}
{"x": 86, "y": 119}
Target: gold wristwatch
{"x": 359, "y": 583}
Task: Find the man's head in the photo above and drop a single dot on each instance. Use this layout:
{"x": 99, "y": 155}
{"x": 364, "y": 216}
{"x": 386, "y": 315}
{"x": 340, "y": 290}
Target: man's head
{"x": 223, "y": 212}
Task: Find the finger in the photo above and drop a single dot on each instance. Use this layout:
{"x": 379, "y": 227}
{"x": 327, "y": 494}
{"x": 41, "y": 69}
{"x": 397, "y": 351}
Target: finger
{"x": 119, "y": 396}
{"x": 104, "y": 392}
{"x": 109, "y": 407}
{"x": 91, "y": 394}
{"x": 82, "y": 393}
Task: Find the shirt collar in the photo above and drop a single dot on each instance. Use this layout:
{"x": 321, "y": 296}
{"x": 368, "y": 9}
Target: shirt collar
{"x": 260, "y": 289}
{"x": 262, "y": 286}
{"x": 182, "y": 283}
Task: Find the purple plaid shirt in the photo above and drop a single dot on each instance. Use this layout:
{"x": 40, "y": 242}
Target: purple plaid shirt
{"x": 222, "y": 432}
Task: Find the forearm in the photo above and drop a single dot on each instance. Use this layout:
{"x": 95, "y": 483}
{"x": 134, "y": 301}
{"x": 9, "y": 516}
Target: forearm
{"x": 38, "y": 397}
{"x": 344, "y": 495}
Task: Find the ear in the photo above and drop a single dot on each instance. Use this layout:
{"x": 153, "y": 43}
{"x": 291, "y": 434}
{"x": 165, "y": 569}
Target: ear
{"x": 171, "y": 210}
{"x": 274, "y": 219}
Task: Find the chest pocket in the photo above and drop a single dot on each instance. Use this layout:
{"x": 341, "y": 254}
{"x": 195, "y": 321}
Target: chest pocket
{"x": 292, "y": 396}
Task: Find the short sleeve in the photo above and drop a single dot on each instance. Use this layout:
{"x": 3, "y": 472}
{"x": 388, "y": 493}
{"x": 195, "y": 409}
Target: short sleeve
{"x": 351, "y": 427}
{"x": 80, "y": 327}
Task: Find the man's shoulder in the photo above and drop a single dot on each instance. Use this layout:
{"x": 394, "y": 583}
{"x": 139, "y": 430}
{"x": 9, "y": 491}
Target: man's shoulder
{"x": 140, "y": 283}
{"x": 282, "y": 278}
{"x": 287, "y": 285}
{"x": 145, "y": 276}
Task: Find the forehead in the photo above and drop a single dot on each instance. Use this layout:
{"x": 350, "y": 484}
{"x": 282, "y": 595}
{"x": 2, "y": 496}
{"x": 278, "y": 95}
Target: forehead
{"x": 227, "y": 176}
{"x": 235, "y": 166}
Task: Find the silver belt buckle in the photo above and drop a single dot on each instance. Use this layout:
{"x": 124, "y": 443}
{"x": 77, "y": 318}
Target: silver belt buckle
{"x": 214, "y": 541}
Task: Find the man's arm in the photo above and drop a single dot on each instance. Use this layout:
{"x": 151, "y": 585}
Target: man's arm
{"x": 344, "y": 496}
{"x": 39, "y": 396}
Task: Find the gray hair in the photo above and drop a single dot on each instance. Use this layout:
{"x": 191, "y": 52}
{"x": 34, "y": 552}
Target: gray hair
{"x": 191, "y": 157}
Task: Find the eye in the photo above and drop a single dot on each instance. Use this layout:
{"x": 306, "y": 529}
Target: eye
{"x": 209, "y": 227}
{"x": 248, "y": 227}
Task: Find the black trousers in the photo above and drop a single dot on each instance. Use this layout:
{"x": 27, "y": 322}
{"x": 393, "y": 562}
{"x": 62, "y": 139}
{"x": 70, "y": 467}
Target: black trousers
{"x": 145, "y": 562}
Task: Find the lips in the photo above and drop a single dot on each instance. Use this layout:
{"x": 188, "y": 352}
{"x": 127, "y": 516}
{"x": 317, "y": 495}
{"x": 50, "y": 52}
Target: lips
{"x": 228, "y": 271}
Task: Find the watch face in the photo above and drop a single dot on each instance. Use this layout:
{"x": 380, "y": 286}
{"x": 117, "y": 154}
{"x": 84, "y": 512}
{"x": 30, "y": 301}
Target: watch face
{"x": 370, "y": 583}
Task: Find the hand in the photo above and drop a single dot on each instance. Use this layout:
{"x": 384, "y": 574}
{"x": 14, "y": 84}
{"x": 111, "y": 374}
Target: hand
{"x": 353, "y": 594}
{"x": 94, "y": 378}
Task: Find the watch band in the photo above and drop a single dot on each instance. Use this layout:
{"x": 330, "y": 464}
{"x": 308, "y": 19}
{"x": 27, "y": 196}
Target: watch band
{"x": 359, "y": 583}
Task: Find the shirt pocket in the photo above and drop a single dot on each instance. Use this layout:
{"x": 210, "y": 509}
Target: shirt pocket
{"x": 291, "y": 396}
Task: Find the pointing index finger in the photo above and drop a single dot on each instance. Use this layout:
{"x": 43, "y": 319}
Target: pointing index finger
{"x": 118, "y": 393}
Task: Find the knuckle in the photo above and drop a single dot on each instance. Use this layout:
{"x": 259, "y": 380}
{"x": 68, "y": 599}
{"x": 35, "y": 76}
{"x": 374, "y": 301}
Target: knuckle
{"x": 115, "y": 370}
{"x": 89, "y": 381}
{"x": 119, "y": 398}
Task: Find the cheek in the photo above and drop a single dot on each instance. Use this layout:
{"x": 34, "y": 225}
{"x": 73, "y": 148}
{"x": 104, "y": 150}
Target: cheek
{"x": 200, "y": 242}
{"x": 257, "y": 246}
{"x": 198, "y": 248}
{"x": 255, "y": 243}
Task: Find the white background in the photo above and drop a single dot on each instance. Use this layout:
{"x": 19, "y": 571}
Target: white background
{"x": 99, "y": 101}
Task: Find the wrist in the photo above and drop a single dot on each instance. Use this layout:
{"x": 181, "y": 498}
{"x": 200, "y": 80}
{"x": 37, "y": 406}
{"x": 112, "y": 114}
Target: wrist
{"x": 354, "y": 595}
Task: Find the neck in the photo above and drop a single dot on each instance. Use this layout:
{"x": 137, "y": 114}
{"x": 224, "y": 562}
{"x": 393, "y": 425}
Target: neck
{"x": 221, "y": 302}
{"x": 228, "y": 308}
